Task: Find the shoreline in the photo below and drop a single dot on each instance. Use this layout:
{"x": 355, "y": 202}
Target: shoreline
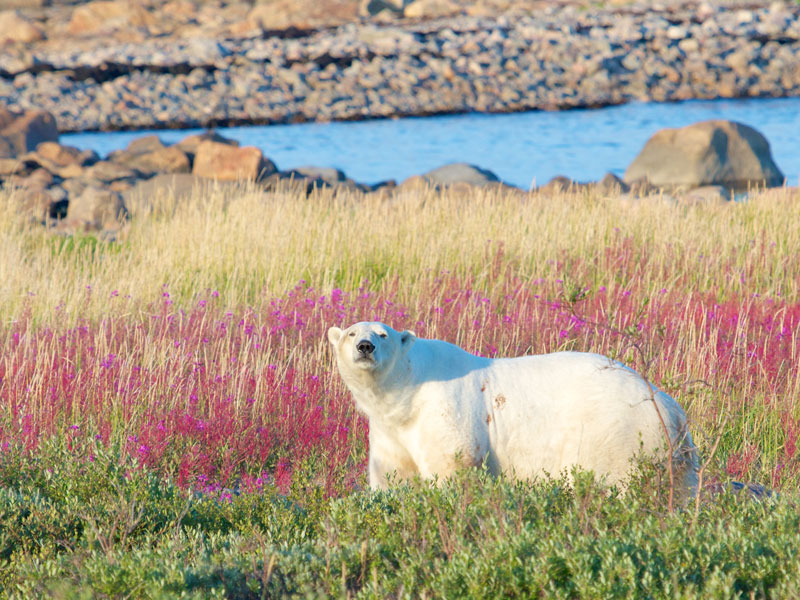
{"x": 560, "y": 59}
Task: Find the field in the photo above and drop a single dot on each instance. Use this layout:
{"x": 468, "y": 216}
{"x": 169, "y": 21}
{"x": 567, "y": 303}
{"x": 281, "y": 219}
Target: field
{"x": 172, "y": 425}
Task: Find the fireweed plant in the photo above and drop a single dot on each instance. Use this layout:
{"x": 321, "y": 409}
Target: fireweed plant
{"x": 156, "y": 392}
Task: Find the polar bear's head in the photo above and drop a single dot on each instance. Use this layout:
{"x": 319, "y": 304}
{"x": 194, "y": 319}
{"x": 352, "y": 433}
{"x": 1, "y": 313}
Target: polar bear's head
{"x": 368, "y": 348}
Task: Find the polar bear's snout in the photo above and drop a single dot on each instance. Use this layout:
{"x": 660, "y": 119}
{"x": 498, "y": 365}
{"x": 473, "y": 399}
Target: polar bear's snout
{"x": 365, "y": 347}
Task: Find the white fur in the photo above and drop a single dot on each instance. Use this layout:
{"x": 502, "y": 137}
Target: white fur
{"x": 433, "y": 407}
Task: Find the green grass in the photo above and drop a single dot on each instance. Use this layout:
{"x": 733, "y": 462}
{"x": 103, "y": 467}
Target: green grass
{"x": 102, "y": 528}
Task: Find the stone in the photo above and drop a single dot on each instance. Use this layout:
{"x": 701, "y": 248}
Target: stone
{"x": 97, "y": 208}
{"x": 230, "y": 163}
{"x": 100, "y": 16}
{"x": 35, "y": 203}
{"x": 107, "y": 172}
{"x": 25, "y": 131}
{"x": 11, "y": 166}
{"x": 460, "y": 173}
{"x": 275, "y": 15}
{"x": 190, "y": 143}
{"x": 64, "y": 161}
{"x": 163, "y": 159}
{"x": 371, "y": 8}
{"x": 176, "y": 188}
{"x": 327, "y": 174}
{"x": 143, "y": 145}
{"x": 16, "y": 28}
{"x": 431, "y": 9}
{"x": 715, "y": 152}
{"x": 611, "y": 184}
{"x": 707, "y": 194}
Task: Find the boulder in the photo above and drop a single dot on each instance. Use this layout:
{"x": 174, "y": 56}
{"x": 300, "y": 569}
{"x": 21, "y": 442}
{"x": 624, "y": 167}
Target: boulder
{"x": 22, "y": 132}
{"x": 149, "y": 155}
{"x": 431, "y": 9}
{"x": 329, "y": 175}
{"x": 16, "y": 28}
{"x": 101, "y": 16}
{"x": 64, "y": 161}
{"x": 460, "y": 173}
{"x": 96, "y": 208}
{"x": 707, "y": 153}
{"x": 175, "y": 186}
{"x": 274, "y": 15}
{"x": 190, "y": 143}
{"x": 708, "y": 194}
{"x": 107, "y": 172}
{"x": 370, "y": 8}
{"x": 229, "y": 163}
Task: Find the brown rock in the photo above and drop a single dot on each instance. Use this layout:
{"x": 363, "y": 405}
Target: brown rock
{"x": 11, "y": 166}
{"x": 101, "y": 16}
{"x": 190, "y": 143}
{"x": 431, "y": 9}
{"x": 273, "y": 15}
{"x": 97, "y": 208}
{"x": 16, "y": 28}
{"x": 36, "y": 203}
{"x": 229, "y": 163}
{"x": 166, "y": 159}
{"x": 107, "y": 171}
{"x": 706, "y": 153}
{"x": 25, "y": 132}
{"x": 64, "y": 161}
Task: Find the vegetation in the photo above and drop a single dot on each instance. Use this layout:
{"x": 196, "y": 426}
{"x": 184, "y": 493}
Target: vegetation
{"x": 171, "y": 424}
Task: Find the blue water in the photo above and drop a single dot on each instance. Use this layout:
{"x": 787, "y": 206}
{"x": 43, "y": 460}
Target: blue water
{"x": 523, "y": 149}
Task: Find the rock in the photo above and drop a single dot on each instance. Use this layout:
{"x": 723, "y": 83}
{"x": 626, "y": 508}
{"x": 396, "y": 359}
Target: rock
{"x": 190, "y": 143}
{"x": 708, "y": 194}
{"x": 559, "y": 184}
{"x": 151, "y": 156}
{"x": 431, "y": 9}
{"x": 326, "y": 174}
{"x": 16, "y": 28}
{"x": 23, "y": 132}
{"x": 101, "y": 16}
{"x": 229, "y": 163}
{"x": 460, "y": 173}
{"x": 35, "y": 203}
{"x": 274, "y": 15}
{"x": 611, "y": 184}
{"x": 172, "y": 189}
{"x": 143, "y": 145}
{"x": 370, "y": 8}
{"x": 11, "y": 166}
{"x": 64, "y": 161}
{"x": 707, "y": 153}
{"x": 107, "y": 172}
{"x": 96, "y": 208}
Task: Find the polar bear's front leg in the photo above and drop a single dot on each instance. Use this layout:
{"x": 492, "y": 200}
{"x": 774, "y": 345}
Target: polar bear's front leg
{"x": 388, "y": 458}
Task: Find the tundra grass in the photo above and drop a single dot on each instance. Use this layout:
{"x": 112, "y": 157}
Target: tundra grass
{"x": 172, "y": 422}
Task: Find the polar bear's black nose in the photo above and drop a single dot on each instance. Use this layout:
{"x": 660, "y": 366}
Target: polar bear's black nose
{"x": 365, "y": 347}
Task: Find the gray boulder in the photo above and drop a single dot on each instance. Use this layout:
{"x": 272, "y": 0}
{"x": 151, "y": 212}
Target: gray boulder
{"x": 707, "y": 153}
{"x": 96, "y": 209}
{"x": 460, "y": 173}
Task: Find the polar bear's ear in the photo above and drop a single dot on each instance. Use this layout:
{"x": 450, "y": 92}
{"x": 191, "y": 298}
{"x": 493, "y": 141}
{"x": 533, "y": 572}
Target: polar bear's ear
{"x": 334, "y": 335}
{"x": 407, "y": 339}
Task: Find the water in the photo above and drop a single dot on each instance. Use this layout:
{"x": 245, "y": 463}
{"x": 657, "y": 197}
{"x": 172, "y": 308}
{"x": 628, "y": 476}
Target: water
{"x": 523, "y": 149}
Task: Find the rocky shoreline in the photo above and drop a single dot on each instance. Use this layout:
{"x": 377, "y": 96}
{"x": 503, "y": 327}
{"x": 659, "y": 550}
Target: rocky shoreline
{"x": 246, "y": 71}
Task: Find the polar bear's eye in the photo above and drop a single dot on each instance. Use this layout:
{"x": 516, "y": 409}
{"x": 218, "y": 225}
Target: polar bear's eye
{"x": 383, "y": 335}
{"x": 352, "y": 334}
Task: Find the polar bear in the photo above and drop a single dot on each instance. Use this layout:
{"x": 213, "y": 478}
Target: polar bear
{"x": 433, "y": 407}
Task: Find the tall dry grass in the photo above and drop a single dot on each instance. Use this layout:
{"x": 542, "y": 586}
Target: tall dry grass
{"x": 247, "y": 245}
